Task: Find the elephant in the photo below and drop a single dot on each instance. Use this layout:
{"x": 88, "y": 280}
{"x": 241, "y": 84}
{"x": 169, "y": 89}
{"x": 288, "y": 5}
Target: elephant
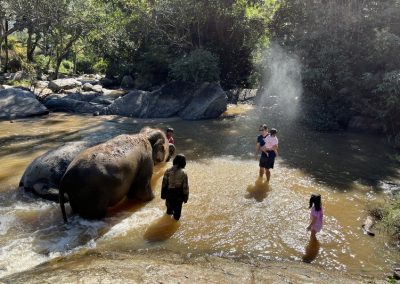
{"x": 42, "y": 176}
{"x": 103, "y": 175}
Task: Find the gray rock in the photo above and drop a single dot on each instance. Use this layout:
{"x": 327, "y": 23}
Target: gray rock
{"x": 64, "y": 84}
{"x": 127, "y": 82}
{"x": 44, "y": 173}
{"x": 17, "y": 103}
{"x": 189, "y": 101}
{"x": 97, "y": 88}
{"x": 241, "y": 95}
{"x": 87, "y": 87}
{"x": 102, "y": 100}
{"x": 84, "y": 97}
{"x": 70, "y": 105}
{"x": 20, "y": 75}
{"x": 209, "y": 101}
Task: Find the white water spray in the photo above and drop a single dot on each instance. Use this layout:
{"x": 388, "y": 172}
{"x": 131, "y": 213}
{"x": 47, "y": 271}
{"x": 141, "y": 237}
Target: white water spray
{"x": 282, "y": 81}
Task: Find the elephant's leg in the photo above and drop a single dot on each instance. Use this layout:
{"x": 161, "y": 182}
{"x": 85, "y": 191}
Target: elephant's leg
{"x": 141, "y": 186}
{"x": 93, "y": 206}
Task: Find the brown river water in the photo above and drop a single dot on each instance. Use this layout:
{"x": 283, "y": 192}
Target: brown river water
{"x": 230, "y": 213}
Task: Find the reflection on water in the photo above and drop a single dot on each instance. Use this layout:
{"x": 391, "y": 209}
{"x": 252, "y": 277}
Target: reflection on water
{"x": 162, "y": 229}
{"x": 312, "y": 249}
{"x": 230, "y": 212}
{"x": 259, "y": 190}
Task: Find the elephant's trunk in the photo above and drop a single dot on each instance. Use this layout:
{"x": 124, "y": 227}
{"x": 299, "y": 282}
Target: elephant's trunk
{"x": 61, "y": 199}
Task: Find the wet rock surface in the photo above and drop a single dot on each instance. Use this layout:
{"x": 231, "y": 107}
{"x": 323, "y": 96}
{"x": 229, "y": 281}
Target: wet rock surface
{"x": 169, "y": 267}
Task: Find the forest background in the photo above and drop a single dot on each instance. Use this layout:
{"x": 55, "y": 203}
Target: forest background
{"x": 348, "y": 49}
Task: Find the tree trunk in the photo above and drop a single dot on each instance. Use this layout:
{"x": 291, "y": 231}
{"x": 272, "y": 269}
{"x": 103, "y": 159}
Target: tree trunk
{"x": 74, "y": 61}
{"x": 58, "y": 63}
{"x": 29, "y": 54}
{"x": 6, "y": 46}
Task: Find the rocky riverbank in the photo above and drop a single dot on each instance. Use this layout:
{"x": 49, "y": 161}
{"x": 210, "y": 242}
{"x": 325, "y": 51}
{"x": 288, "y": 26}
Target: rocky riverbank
{"x": 161, "y": 266}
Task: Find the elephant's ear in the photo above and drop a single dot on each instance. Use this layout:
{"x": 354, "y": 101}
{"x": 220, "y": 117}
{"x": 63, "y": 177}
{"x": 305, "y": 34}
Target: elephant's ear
{"x": 159, "y": 151}
{"x": 171, "y": 152}
{"x": 154, "y": 136}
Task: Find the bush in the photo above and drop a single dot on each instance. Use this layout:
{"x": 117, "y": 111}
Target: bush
{"x": 42, "y": 63}
{"x": 199, "y": 66}
{"x": 150, "y": 68}
{"x": 84, "y": 65}
{"x": 66, "y": 67}
{"x": 100, "y": 67}
{"x": 389, "y": 216}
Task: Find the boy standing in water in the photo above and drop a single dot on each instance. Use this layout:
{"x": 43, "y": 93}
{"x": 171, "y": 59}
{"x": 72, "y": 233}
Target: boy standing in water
{"x": 175, "y": 187}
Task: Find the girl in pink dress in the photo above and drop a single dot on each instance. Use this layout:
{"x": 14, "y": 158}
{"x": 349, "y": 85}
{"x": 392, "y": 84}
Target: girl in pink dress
{"x": 316, "y": 215}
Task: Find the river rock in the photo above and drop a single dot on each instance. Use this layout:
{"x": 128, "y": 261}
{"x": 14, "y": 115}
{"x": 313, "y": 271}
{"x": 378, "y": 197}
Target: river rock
{"x": 127, "y": 82}
{"x": 187, "y": 100}
{"x": 209, "y": 101}
{"x": 64, "y": 84}
{"x": 70, "y": 105}
{"x": 17, "y": 103}
{"x": 44, "y": 173}
{"x": 240, "y": 95}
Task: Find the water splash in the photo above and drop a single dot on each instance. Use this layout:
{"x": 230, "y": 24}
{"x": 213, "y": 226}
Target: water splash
{"x": 282, "y": 81}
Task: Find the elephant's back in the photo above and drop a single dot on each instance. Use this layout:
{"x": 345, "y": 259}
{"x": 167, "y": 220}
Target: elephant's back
{"x": 107, "y": 168}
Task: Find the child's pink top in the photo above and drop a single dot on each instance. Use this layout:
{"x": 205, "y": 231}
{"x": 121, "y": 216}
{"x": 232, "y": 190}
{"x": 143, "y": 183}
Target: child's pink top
{"x": 318, "y": 215}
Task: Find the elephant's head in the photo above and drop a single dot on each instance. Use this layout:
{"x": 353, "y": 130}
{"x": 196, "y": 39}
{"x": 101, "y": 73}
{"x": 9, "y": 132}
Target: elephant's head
{"x": 158, "y": 142}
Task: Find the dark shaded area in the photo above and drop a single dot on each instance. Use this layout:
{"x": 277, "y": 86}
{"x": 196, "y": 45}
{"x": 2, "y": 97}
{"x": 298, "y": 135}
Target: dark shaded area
{"x": 162, "y": 229}
{"x": 337, "y": 159}
{"x": 259, "y": 191}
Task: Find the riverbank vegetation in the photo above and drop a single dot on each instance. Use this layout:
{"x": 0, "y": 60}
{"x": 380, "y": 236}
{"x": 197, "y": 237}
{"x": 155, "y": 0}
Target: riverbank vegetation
{"x": 348, "y": 49}
{"x": 388, "y": 215}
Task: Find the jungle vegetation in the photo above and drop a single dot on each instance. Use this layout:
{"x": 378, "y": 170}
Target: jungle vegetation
{"x": 348, "y": 49}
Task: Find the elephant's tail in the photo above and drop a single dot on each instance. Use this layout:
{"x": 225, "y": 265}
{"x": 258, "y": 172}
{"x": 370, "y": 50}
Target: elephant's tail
{"x": 61, "y": 199}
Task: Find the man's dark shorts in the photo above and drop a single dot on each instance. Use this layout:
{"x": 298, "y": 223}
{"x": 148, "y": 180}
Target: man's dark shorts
{"x": 267, "y": 162}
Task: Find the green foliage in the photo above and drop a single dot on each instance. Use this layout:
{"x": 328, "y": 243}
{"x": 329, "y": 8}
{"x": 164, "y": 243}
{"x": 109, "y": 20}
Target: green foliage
{"x": 199, "y": 66}
{"x": 388, "y": 105}
{"x": 389, "y": 215}
{"x": 43, "y": 63}
{"x": 66, "y": 67}
{"x": 84, "y": 65}
{"x": 349, "y": 50}
{"x": 151, "y": 68}
{"x": 100, "y": 67}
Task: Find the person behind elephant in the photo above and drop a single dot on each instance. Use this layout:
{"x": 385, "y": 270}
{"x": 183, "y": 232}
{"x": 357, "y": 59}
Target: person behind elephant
{"x": 175, "y": 187}
{"x": 169, "y": 132}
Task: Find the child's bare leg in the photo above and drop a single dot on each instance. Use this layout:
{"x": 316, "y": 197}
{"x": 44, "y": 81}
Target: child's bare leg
{"x": 261, "y": 172}
{"x": 267, "y": 174}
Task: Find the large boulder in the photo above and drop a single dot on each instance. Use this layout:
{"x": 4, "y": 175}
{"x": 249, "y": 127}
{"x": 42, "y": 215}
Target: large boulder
{"x": 64, "y": 84}
{"x": 187, "y": 100}
{"x": 17, "y": 103}
{"x": 209, "y": 101}
{"x": 127, "y": 82}
{"x": 70, "y": 105}
{"x": 43, "y": 175}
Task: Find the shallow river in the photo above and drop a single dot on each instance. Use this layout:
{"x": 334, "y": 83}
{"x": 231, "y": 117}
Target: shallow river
{"x": 230, "y": 212}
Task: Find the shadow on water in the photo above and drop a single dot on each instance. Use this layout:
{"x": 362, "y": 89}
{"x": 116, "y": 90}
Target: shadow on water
{"x": 337, "y": 159}
{"x": 312, "y": 249}
{"x": 162, "y": 229}
{"x": 259, "y": 191}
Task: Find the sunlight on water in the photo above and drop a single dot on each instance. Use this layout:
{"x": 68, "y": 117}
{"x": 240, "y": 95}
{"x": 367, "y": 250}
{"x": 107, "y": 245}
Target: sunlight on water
{"x": 230, "y": 212}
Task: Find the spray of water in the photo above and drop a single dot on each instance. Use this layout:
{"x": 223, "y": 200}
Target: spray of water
{"x": 282, "y": 81}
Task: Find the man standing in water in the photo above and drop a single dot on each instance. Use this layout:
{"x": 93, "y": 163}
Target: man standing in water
{"x": 268, "y": 144}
